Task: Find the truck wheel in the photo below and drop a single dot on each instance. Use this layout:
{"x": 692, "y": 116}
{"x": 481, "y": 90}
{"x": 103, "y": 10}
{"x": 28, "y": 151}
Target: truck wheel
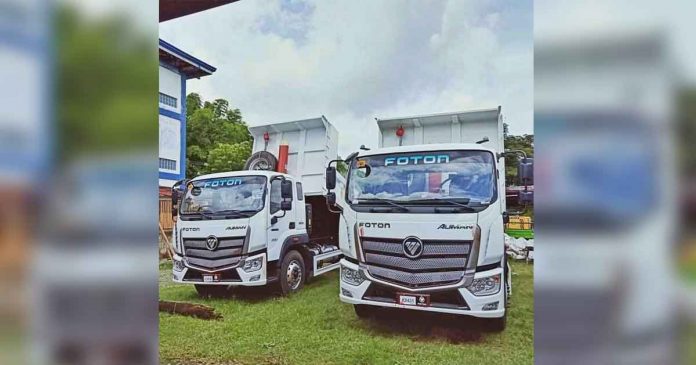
{"x": 292, "y": 273}
{"x": 364, "y": 311}
{"x": 261, "y": 160}
{"x": 499, "y": 324}
{"x": 211, "y": 291}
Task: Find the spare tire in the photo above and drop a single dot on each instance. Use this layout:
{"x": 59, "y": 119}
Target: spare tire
{"x": 261, "y": 160}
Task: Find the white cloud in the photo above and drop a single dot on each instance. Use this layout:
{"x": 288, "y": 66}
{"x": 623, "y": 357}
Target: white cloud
{"x": 353, "y": 61}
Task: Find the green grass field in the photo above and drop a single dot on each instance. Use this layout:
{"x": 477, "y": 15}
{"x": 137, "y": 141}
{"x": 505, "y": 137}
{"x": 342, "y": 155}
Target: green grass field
{"x": 314, "y": 327}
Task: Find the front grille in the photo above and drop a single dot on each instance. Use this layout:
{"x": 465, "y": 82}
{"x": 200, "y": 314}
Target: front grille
{"x": 442, "y": 262}
{"x": 229, "y": 252}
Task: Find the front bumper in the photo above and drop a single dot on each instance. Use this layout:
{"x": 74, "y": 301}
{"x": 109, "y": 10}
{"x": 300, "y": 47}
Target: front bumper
{"x": 467, "y": 303}
{"x": 233, "y": 276}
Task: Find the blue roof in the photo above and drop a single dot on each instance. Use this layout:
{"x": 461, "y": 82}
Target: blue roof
{"x": 184, "y": 62}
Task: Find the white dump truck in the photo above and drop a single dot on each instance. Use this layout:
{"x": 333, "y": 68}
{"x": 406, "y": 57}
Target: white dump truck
{"x": 269, "y": 224}
{"x": 422, "y": 217}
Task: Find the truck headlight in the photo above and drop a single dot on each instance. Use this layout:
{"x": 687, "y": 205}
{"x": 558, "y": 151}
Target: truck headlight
{"x": 350, "y": 276}
{"x": 178, "y": 265}
{"x": 251, "y": 265}
{"x": 485, "y": 286}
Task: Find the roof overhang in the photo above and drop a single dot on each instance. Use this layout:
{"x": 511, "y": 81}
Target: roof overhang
{"x": 172, "y": 9}
{"x": 184, "y": 62}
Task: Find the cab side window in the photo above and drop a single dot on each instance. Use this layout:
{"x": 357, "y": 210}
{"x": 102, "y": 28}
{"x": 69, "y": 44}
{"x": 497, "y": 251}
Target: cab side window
{"x": 275, "y": 196}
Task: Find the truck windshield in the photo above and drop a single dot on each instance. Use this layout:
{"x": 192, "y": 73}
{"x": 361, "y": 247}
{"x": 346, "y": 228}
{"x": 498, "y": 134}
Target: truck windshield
{"x": 424, "y": 177}
{"x": 238, "y": 194}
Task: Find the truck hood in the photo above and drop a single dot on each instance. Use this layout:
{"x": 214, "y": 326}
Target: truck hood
{"x": 423, "y": 226}
{"x": 217, "y": 228}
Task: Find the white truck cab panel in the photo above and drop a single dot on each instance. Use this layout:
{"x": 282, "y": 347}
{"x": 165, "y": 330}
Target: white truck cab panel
{"x": 422, "y": 221}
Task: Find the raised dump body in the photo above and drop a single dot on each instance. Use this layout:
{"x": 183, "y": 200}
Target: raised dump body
{"x": 312, "y": 144}
{"x": 459, "y": 127}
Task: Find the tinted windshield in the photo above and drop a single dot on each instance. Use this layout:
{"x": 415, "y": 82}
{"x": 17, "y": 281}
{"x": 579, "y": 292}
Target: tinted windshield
{"x": 239, "y": 193}
{"x": 467, "y": 176}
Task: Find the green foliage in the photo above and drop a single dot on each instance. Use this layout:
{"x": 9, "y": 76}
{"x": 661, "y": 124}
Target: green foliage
{"x": 227, "y": 157}
{"x": 524, "y": 143}
{"x": 342, "y": 167}
{"x": 217, "y": 138}
{"x": 106, "y": 86}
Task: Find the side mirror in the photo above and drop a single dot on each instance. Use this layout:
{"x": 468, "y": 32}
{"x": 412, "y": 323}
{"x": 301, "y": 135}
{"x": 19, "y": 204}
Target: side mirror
{"x": 330, "y": 178}
{"x": 525, "y": 197}
{"x": 364, "y": 171}
{"x": 286, "y": 189}
{"x": 286, "y": 205}
{"x": 175, "y": 196}
{"x": 331, "y": 198}
{"x": 525, "y": 171}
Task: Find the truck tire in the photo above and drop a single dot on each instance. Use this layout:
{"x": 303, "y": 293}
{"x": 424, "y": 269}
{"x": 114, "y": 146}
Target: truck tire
{"x": 364, "y": 311}
{"x": 499, "y": 324}
{"x": 261, "y": 160}
{"x": 211, "y": 291}
{"x": 291, "y": 277}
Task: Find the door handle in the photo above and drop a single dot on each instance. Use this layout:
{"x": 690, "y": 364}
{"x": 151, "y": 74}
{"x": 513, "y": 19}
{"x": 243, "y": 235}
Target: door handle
{"x": 274, "y": 229}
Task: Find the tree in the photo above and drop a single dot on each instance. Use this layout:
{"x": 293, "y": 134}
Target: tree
{"x": 217, "y": 138}
{"x": 342, "y": 167}
{"x": 104, "y": 93}
{"x": 227, "y": 157}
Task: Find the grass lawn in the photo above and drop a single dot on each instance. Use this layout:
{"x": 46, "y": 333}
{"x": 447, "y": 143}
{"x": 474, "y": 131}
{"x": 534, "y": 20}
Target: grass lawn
{"x": 314, "y": 327}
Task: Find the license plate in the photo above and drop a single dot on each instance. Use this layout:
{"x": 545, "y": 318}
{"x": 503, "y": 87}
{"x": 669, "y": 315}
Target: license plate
{"x": 211, "y": 278}
{"x": 420, "y": 300}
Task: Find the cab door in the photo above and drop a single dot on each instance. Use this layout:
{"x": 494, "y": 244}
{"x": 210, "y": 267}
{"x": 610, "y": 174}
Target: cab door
{"x": 279, "y": 221}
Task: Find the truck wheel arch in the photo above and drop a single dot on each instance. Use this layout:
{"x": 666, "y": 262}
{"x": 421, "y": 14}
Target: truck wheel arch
{"x": 293, "y": 242}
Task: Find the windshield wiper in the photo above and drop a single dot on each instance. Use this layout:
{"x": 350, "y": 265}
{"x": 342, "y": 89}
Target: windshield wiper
{"x": 240, "y": 213}
{"x": 380, "y": 200}
{"x": 201, "y": 214}
{"x": 464, "y": 202}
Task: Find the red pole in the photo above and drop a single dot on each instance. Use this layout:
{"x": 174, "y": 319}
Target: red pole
{"x": 282, "y": 158}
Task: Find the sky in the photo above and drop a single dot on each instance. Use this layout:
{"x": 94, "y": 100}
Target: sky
{"x": 354, "y": 61}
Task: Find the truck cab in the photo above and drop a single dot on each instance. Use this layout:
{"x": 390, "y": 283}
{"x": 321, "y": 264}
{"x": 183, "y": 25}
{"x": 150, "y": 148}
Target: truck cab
{"x": 424, "y": 220}
{"x": 254, "y": 227}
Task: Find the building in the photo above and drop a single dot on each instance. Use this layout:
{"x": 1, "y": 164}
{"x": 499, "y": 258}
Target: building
{"x": 172, "y": 9}
{"x": 175, "y": 68}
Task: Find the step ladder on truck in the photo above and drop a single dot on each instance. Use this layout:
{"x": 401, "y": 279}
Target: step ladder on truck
{"x": 267, "y": 225}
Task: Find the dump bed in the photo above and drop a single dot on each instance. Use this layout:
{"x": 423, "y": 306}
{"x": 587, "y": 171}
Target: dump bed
{"x": 312, "y": 144}
{"x": 458, "y": 127}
